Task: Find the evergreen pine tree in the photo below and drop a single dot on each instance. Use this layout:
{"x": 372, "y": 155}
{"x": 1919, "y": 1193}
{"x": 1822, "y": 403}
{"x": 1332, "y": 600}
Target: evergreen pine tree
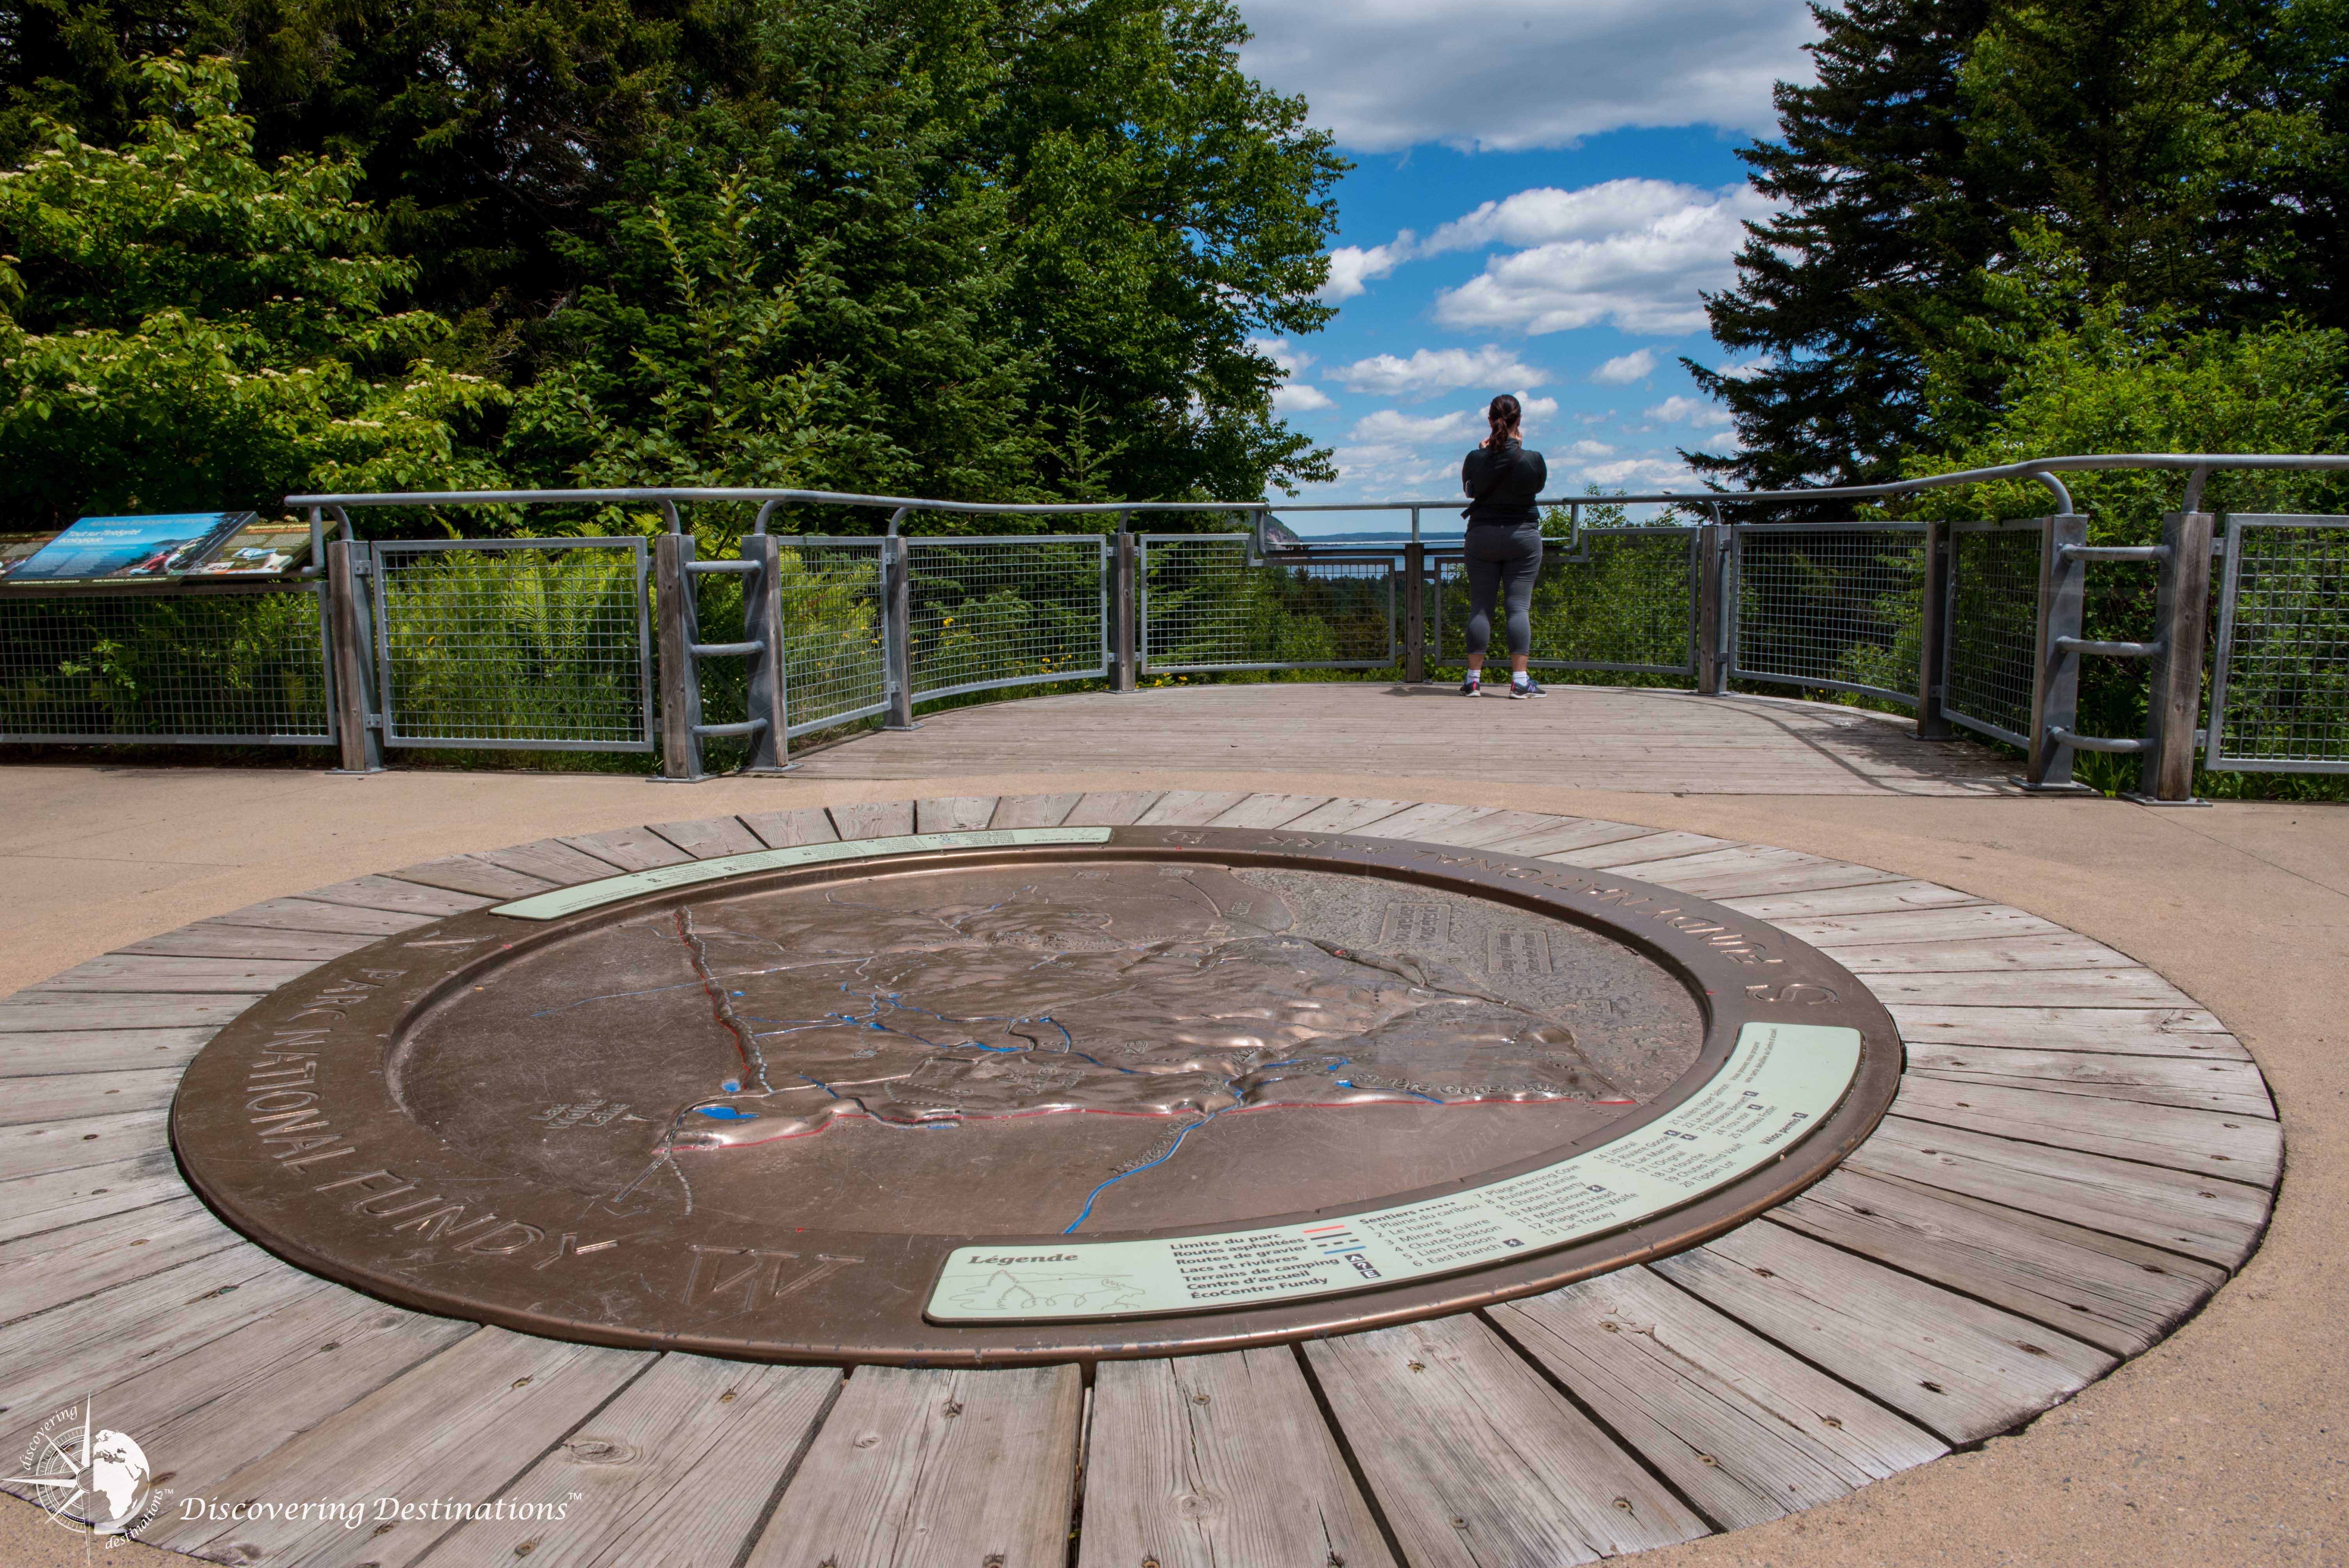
{"x": 1880, "y": 231}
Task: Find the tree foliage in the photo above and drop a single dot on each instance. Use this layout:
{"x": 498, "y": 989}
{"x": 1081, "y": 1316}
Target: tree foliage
{"x": 182, "y": 327}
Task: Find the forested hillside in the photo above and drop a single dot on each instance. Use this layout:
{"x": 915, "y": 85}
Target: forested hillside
{"x": 1013, "y": 249}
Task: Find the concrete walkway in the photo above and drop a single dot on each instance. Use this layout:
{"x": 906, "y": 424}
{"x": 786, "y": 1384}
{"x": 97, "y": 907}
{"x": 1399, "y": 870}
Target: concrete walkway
{"x": 2221, "y": 1445}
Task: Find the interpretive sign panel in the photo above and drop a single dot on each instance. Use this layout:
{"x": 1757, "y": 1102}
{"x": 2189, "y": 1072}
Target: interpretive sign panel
{"x": 1031, "y": 1094}
{"x": 130, "y": 548}
{"x": 258, "y": 550}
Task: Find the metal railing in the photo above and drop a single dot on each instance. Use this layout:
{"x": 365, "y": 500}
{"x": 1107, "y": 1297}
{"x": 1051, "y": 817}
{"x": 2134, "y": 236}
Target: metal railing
{"x": 2280, "y": 693}
{"x": 513, "y": 644}
{"x": 544, "y": 643}
{"x": 217, "y": 664}
{"x": 1829, "y": 607}
{"x": 1204, "y": 608}
{"x": 1624, "y": 601}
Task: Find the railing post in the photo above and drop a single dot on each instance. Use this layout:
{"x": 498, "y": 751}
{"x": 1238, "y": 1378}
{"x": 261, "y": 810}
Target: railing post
{"x": 762, "y": 622}
{"x": 896, "y": 632}
{"x": 350, "y": 629}
{"x": 1932, "y": 636}
{"x": 1122, "y": 568}
{"x": 2174, "y": 703}
{"x": 680, "y": 682}
{"x": 2055, "y": 680}
{"x": 1414, "y": 612}
{"x": 1712, "y": 610}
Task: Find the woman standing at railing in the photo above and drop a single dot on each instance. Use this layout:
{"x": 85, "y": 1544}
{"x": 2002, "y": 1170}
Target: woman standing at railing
{"x": 1504, "y": 547}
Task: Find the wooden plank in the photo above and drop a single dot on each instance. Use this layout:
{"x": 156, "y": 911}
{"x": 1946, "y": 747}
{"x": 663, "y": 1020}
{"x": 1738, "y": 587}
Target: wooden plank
{"x": 52, "y": 1267}
{"x": 398, "y": 897}
{"x": 2064, "y": 951}
{"x": 1953, "y": 922}
{"x": 1576, "y": 833}
{"x": 953, "y": 813}
{"x": 1267, "y": 811}
{"x": 2119, "y": 986}
{"x": 59, "y": 1357}
{"x": 1345, "y": 815}
{"x": 1477, "y": 1460}
{"x": 2235, "y": 1087}
{"x": 2120, "y": 1031}
{"x": 874, "y": 819}
{"x": 131, "y": 974}
{"x": 460, "y": 1426}
{"x": 1189, "y": 807}
{"x": 80, "y": 1094}
{"x": 555, "y": 860}
{"x": 916, "y": 1468}
{"x": 1416, "y": 821}
{"x": 1806, "y": 873}
{"x": 2116, "y": 1294}
{"x": 2217, "y": 1221}
{"x": 1644, "y": 851}
{"x": 1476, "y": 832}
{"x": 218, "y": 1407}
{"x": 1746, "y": 1431}
{"x": 97, "y": 1050}
{"x": 316, "y": 915}
{"x": 630, "y": 849}
{"x": 782, "y": 830}
{"x": 1214, "y": 1460}
{"x": 1110, "y": 808}
{"x": 2214, "y": 1143}
{"x": 83, "y": 1011}
{"x": 31, "y": 1204}
{"x": 1034, "y": 810}
{"x": 673, "y": 1473}
{"x": 474, "y": 874}
{"x": 209, "y": 940}
{"x": 42, "y": 1147}
{"x": 1872, "y": 898}
{"x": 1955, "y": 1366}
{"x": 707, "y": 838}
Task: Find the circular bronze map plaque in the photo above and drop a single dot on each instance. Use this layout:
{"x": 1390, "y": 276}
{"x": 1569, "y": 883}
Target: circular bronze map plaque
{"x": 1032, "y": 1094}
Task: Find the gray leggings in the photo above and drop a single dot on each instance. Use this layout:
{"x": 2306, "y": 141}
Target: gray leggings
{"x": 1502, "y": 560}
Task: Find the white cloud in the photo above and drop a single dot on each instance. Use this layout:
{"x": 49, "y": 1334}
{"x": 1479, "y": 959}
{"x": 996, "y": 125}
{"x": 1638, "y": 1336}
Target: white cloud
{"x": 1635, "y": 264}
{"x": 1721, "y": 441}
{"x": 1677, "y": 409}
{"x": 1590, "y": 449}
{"x": 1281, "y": 352}
{"x": 1548, "y": 215}
{"x": 1625, "y": 368}
{"x": 1514, "y": 73}
{"x": 1300, "y": 398}
{"x": 1352, "y": 266}
{"x": 1640, "y": 473}
{"x": 1432, "y": 370}
{"x": 1749, "y": 370}
{"x": 1392, "y": 425}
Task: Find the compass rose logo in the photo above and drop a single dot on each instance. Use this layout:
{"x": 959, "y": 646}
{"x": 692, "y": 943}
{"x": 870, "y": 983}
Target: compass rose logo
{"x": 80, "y": 1471}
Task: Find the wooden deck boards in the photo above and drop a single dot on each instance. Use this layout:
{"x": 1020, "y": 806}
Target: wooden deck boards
{"x": 2079, "y": 1157}
{"x": 1592, "y": 738}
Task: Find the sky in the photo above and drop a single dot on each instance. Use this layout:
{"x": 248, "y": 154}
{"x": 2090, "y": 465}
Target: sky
{"x": 1542, "y": 191}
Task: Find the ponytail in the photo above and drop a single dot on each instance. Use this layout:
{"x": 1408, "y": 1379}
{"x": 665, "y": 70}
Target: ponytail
{"x": 1503, "y": 414}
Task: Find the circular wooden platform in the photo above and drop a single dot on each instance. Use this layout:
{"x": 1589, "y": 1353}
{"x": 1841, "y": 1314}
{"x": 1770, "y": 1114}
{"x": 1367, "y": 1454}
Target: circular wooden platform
{"x": 2078, "y": 1157}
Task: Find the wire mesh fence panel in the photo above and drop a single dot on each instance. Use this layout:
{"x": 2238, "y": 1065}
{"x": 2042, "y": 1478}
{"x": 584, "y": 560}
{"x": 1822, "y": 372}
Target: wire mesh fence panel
{"x": 240, "y": 667}
{"x": 835, "y": 663}
{"x": 1006, "y": 612}
{"x": 1203, "y": 607}
{"x": 1993, "y": 641}
{"x": 515, "y": 644}
{"x": 1621, "y": 603}
{"x": 1839, "y": 608}
{"x": 2280, "y": 695}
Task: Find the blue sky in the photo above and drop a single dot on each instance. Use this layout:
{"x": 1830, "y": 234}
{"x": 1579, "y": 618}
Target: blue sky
{"x": 1542, "y": 188}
